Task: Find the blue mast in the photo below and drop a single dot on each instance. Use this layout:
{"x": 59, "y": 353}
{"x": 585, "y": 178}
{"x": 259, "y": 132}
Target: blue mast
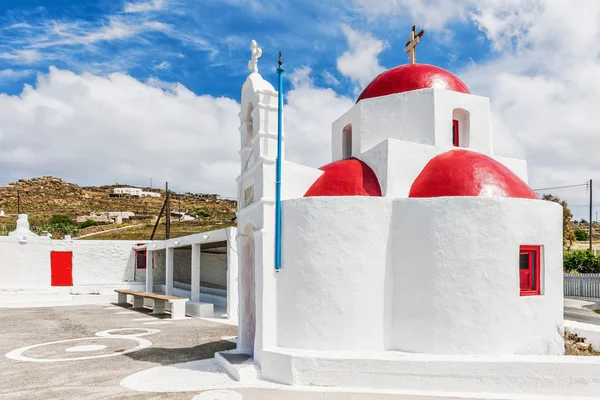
{"x": 278, "y": 166}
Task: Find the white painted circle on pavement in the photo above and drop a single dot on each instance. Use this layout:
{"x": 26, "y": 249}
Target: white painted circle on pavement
{"x": 89, "y": 347}
{"x": 219, "y": 395}
{"x": 119, "y": 332}
{"x": 18, "y": 353}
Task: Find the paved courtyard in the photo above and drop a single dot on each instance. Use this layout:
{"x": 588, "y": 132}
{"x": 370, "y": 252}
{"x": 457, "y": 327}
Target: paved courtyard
{"x": 111, "y": 352}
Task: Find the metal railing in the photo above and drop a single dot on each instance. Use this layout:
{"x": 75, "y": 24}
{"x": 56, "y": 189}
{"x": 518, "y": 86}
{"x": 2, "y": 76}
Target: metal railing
{"x": 582, "y": 285}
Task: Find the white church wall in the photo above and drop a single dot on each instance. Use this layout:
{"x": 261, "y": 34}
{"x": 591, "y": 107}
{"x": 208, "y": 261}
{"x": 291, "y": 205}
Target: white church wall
{"x": 331, "y": 290}
{"x": 403, "y": 116}
{"x": 398, "y": 163}
{"x": 297, "y": 179}
{"x": 519, "y": 167}
{"x": 456, "y": 276}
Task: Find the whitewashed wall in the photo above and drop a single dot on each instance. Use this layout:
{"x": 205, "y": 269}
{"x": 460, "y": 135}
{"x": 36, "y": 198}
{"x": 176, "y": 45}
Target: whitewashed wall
{"x": 332, "y": 285}
{"x": 95, "y": 262}
{"x": 456, "y": 276}
{"x": 434, "y": 275}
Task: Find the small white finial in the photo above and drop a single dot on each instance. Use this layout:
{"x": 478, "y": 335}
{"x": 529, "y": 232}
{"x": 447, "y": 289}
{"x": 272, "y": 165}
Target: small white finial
{"x": 411, "y": 45}
{"x": 256, "y": 53}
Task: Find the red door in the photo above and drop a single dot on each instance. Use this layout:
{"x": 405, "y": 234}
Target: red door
{"x": 61, "y": 268}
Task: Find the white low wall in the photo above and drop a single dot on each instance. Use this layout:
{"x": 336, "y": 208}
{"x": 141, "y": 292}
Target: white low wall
{"x": 95, "y": 263}
{"x": 560, "y": 377}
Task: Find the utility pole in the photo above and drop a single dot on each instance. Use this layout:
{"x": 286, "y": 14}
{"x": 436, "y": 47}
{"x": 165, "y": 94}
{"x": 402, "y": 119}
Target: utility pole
{"x": 591, "y": 202}
{"x": 168, "y": 214}
{"x": 150, "y": 183}
{"x": 18, "y": 202}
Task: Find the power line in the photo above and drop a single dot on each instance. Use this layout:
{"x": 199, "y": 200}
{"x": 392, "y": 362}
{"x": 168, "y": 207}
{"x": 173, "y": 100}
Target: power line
{"x": 561, "y": 187}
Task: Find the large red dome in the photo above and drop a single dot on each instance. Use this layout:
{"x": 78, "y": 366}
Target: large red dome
{"x": 350, "y": 177}
{"x": 408, "y": 77}
{"x": 467, "y": 173}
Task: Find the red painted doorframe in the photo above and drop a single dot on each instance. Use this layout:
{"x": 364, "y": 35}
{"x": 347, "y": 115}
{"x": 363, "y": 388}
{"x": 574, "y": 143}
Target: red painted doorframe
{"x": 61, "y": 268}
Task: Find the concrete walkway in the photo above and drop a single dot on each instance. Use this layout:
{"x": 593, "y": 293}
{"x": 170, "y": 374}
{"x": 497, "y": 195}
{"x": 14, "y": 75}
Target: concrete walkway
{"x": 581, "y": 310}
{"x": 99, "y": 351}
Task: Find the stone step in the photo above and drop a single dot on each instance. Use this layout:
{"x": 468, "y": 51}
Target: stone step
{"x": 239, "y": 366}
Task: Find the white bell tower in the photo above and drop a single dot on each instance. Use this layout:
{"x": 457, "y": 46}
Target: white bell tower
{"x": 256, "y": 210}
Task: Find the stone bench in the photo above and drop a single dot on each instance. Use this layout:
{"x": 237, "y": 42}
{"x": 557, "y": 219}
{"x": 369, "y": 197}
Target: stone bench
{"x": 159, "y": 302}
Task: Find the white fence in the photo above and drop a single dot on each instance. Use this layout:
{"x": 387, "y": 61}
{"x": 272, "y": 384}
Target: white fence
{"x": 582, "y": 285}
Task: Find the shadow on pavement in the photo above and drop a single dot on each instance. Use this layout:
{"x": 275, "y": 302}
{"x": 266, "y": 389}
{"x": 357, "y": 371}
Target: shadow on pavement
{"x": 165, "y": 356}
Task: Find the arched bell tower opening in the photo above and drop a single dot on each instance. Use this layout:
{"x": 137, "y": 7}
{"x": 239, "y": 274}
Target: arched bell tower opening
{"x": 248, "y": 287}
{"x": 347, "y": 141}
{"x": 249, "y": 125}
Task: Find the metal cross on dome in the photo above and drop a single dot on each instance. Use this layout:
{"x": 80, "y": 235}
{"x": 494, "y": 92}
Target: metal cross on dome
{"x": 411, "y": 45}
{"x": 256, "y": 53}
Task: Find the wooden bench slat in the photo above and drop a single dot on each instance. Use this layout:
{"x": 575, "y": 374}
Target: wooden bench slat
{"x": 162, "y": 296}
{"x": 149, "y": 295}
{"x": 127, "y": 291}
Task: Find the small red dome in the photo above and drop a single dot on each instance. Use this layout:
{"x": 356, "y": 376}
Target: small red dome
{"x": 468, "y": 173}
{"x": 350, "y": 177}
{"x": 408, "y": 77}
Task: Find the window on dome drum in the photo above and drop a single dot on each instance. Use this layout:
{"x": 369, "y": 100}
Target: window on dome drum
{"x": 529, "y": 270}
{"x": 461, "y": 124}
{"x": 455, "y": 133}
{"x": 347, "y": 141}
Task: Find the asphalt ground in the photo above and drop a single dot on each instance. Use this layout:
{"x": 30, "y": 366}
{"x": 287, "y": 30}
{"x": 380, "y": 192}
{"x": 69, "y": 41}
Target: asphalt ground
{"x": 84, "y": 352}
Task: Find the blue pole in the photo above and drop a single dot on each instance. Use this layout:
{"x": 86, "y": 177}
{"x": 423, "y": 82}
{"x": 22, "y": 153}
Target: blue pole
{"x": 278, "y": 166}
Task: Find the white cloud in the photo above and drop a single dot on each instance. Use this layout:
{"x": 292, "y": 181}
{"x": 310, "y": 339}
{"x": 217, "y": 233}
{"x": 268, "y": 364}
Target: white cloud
{"x": 430, "y": 14}
{"x": 144, "y": 6}
{"x": 330, "y": 79}
{"x": 360, "y": 62}
{"x": 88, "y": 128}
{"x": 22, "y": 56}
{"x": 309, "y": 113}
{"x": 162, "y": 66}
{"x": 11, "y": 74}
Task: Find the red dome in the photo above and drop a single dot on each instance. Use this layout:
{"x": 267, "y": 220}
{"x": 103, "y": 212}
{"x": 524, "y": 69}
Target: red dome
{"x": 407, "y": 77}
{"x": 467, "y": 173}
{"x": 350, "y": 177}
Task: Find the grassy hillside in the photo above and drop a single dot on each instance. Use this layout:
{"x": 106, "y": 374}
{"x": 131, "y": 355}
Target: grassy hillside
{"x": 43, "y": 198}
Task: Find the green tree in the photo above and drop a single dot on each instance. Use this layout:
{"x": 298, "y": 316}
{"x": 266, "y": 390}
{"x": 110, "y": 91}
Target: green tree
{"x": 62, "y": 219}
{"x": 582, "y": 235}
{"x": 86, "y": 223}
{"x": 568, "y": 235}
{"x": 581, "y": 261}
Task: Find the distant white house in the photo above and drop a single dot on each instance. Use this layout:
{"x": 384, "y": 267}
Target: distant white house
{"x": 116, "y": 217}
{"x": 137, "y": 192}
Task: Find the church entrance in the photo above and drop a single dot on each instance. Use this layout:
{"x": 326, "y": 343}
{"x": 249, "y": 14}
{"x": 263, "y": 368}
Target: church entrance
{"x": 248, "y": 300}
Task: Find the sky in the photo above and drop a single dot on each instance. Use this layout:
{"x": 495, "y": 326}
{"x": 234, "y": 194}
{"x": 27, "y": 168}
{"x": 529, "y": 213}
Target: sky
{"x": 113, "y": 91}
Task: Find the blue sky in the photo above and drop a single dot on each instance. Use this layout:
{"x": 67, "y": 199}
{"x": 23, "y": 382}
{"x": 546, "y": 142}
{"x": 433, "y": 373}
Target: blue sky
{"x": 96, "y": 92}
{"x": 204, "y": 44}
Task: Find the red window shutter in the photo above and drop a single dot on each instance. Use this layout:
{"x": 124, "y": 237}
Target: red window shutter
{"x": 529, "y": 270}
{"x": 140, "y": 258}
{"x": 455, "y": 133}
